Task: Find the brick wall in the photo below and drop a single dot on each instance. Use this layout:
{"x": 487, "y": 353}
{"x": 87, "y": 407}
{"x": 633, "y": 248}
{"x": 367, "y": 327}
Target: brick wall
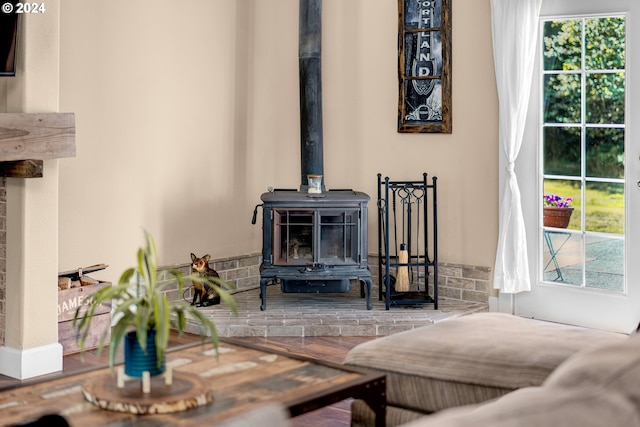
{"x": 463, "y": 282}
{"x": 242, "y": 271}
{"x": 3, "y": 256}
{"x": 455, "y": 281}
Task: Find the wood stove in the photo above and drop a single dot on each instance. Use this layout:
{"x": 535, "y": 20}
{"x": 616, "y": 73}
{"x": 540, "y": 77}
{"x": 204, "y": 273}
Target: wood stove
{"x": 315, "y": 242}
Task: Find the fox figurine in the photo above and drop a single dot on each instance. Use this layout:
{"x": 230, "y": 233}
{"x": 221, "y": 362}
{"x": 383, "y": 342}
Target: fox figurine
{"x": 201, "y": 291}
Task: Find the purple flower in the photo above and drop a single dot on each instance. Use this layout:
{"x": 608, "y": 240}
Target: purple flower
{"x": 556, "y": 201}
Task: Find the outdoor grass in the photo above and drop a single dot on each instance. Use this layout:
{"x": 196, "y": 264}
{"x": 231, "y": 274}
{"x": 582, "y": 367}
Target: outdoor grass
{"x": 604, "y": 209}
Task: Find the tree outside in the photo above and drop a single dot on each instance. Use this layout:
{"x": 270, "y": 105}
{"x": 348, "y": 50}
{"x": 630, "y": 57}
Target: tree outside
{"x": 583, "y": 132}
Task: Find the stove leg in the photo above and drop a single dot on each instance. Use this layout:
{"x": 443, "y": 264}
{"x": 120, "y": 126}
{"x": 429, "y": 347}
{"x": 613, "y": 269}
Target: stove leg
{"x": 263, "y": 293}
{"x": 367, "y": 282}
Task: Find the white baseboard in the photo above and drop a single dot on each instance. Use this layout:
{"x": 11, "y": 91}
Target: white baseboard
{"x": 31, "y": 362}
{"x": 506, "y": 303}
{"x": 494, "y": 304}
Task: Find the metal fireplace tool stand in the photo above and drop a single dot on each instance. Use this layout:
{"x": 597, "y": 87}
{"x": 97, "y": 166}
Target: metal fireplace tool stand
{"x": 408, "y": 208}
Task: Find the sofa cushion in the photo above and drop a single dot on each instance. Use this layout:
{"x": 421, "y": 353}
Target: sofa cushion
{"x": 615, "y": 366}
{"x": 594, "y": 387}
{"x": 471, "y": 359}
{"x": 539, "y": 406}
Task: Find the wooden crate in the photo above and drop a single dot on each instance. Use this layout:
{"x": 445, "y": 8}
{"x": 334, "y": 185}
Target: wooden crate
{"x": 68, "y": 302}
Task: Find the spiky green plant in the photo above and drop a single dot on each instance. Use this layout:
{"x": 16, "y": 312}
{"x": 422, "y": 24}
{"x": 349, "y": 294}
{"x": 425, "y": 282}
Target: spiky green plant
{"x": 142, "y": 305}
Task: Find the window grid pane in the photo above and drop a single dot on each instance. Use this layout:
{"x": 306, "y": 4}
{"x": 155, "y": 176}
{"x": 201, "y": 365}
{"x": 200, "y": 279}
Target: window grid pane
{"x": 582, "y": 137}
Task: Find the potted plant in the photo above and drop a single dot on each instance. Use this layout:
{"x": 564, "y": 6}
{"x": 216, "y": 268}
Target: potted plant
{"x": 144, "y": 315}
{"x": 557, "y": 211}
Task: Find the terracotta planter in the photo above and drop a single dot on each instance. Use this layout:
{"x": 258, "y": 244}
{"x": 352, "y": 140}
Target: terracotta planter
{"x": 557, "y": 217}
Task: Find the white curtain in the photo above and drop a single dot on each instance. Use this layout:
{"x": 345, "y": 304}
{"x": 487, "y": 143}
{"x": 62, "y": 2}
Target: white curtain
{"x": 515, "y": 31}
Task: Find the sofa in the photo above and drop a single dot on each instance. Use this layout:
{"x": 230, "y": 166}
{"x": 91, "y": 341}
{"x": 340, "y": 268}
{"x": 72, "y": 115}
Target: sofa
{"x": 499, "y": 370}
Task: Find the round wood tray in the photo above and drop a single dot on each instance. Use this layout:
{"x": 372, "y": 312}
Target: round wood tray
{"x": 187, "y": 391}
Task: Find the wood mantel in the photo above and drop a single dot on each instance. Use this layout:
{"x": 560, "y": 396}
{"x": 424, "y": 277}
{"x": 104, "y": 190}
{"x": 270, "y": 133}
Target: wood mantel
{"x": 28, "y": 138}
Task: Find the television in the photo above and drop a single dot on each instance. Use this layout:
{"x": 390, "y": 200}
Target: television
{"x": 8, "y": 40}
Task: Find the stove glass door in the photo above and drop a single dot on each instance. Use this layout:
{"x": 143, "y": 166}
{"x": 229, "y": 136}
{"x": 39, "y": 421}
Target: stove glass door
{"x": 315, "y": 236}
{"x": 293, "y": 236}
{"x": 338, "y": 237}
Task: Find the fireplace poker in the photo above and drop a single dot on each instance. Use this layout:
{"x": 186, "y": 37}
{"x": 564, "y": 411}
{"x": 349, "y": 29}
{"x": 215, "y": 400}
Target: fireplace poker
{"x": 418, "y": 198}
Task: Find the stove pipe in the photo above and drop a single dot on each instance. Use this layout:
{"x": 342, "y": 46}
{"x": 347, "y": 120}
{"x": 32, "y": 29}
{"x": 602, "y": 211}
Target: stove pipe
{"x": 310, "y": 69}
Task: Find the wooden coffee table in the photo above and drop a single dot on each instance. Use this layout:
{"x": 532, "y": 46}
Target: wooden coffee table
{"x": 241, "y": 378}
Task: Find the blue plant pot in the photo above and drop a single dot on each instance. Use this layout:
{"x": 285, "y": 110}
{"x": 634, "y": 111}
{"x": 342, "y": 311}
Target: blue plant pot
{"x": 137, "y": 361}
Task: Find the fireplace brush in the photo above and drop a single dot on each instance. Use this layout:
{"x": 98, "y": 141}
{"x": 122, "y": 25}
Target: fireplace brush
{"x": 402, "y": 273}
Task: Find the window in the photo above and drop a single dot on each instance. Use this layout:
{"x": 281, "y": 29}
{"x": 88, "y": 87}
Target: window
{"x": 583, "y": 147}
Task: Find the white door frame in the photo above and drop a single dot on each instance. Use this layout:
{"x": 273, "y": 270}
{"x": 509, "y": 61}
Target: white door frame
{"x": 569, "y": 304}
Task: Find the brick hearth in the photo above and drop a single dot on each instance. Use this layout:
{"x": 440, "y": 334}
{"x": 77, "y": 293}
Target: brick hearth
{"x": 463, "y": 290}
{"x": 339, "y": 314}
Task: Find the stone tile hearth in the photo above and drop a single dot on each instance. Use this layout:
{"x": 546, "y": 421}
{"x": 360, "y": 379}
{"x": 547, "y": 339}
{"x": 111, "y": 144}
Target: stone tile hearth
{"x": 339, "y": 314}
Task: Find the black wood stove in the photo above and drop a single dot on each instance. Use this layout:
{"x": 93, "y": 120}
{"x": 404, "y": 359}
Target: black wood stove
{"x": 313, "y": 240}
{"x": 315, "y": 243}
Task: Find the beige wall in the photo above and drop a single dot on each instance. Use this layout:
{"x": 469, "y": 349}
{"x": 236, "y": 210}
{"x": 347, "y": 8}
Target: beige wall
{"x": 30, "y": 348}
{"x": 187, "y": 111}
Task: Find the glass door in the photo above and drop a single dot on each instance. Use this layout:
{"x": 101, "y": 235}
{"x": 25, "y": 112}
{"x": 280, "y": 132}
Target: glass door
{"x": 579, "y": 129}
{"x": 583, "y": 150}
{"x": 338, "y": 237}
{"x": 293, "y": 237}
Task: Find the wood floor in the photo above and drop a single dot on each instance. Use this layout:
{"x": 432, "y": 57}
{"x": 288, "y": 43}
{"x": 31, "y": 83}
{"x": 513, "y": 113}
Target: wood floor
{"x": 331, "y": 349}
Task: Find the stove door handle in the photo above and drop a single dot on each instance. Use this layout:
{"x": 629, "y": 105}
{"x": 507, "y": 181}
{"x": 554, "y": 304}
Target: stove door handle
{"x": 255, "y": 213}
